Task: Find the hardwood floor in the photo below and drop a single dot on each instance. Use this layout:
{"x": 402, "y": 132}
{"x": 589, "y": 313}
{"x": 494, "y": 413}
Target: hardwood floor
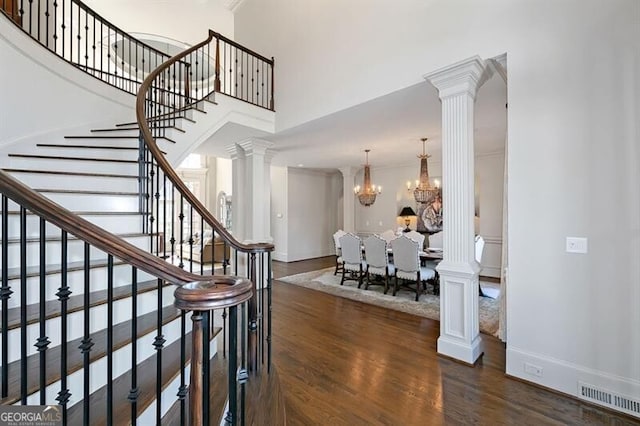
{"x": 343, "y": 362}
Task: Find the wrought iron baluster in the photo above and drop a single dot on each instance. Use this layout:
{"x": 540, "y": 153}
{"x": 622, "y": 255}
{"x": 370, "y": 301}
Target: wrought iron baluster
{"x": 43, "y": 341}
{"x": 63, "y": 296}
{"x": 205, "y": 366}
{"x": 230, "y": 417}
{"x": 183, "y": 390}
{"x": 269, "y": 312}
{"x": 87, "y": 341}
{"x": 158, "y": 344}
{"x": 109, "y": 339}
{"x": 133, "y": 391}
{"x": 23, "y": 304}
{"x": 5, "y": 294}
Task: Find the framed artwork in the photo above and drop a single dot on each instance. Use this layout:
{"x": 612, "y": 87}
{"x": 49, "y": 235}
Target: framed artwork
{"x": 430, "y": 215}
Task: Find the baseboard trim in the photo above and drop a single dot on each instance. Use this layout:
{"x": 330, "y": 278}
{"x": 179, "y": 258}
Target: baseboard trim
{"x": 564, "y": 377}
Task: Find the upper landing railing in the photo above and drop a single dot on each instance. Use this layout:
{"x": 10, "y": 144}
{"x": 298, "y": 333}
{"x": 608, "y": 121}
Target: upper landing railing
{"x": 76, "y": 33}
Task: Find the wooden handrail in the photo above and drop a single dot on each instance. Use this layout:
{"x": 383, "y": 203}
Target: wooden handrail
{"x": 241, "y": 47}
{"x": 95, "y": 235}
{"x": 166, "y": 167}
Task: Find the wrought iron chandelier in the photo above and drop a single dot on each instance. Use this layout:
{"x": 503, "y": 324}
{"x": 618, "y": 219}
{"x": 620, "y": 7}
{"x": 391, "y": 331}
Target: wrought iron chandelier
{"x": 367, "y": 194}
{"x": 424, "y": 191}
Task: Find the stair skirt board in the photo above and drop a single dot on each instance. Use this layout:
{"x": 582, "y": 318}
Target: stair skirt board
{"x": 147, "y": 302}
{"x": 75, "y": 282}
{"x": 119, "y": 223}
{"x": 75, "y": 250}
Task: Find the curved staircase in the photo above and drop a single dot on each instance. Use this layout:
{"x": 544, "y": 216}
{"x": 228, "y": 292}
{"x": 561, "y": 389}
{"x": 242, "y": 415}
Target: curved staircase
{"x": 88, "y": 320}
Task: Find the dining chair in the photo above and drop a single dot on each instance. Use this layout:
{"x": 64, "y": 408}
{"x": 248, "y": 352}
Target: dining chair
{"x": 416, "y": 236}
{"x": 388, "y": 236}
{"x": 377, "y": 257}
{"x": 406, "y": 258}
{"x": 351, "y": 246}
{"x": 336, "y": 241}
{"x": 435, "y": 240}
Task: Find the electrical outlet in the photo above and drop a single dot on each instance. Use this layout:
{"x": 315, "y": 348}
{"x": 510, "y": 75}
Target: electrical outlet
{"x": 576, "y": 245}
{"x": 532, "y": 369}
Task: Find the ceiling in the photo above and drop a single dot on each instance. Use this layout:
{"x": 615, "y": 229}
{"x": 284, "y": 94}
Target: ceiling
{"x": 391, "y": 126}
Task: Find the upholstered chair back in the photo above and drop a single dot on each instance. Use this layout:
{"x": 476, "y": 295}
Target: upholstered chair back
{"x": 350, "y": 245}
{"x": 375, "y": 251}
{"x": 406, "y": 256}
{"x": 417, "y": 237}
{"x": 435, "y": 240}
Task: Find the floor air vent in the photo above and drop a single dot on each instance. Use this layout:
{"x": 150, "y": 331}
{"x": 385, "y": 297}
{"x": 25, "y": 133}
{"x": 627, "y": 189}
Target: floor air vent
{"x": 610, "y": 399}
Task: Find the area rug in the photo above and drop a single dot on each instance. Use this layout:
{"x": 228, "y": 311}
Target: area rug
{"x": 428, "y": 306}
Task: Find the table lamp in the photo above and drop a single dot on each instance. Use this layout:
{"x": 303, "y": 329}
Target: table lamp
{"x": 407, "y": 212}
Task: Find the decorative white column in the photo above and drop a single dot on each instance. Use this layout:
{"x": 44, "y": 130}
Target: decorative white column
{"x": 257, "y": 191}
{"x": 348, "y": 199}
{"x": 238, "y": 205}
{"x": 459, "y": 323}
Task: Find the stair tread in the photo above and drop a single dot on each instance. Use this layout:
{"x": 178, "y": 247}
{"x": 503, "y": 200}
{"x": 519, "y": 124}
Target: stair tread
{"x": 57, "y": 145}
{"x": 85, "y": 192}
{"x": 114, "y": 137}
{"x": 57, "y": 157}
{"x": 74, "y": 304}
{"x": 87, "y": 213}
{"x": 126, "y": 127}
{"x": 53, "y": 172}
{"x": 146, "y": 381}
{"x": 131, "y": 123}
{"x": 121, "y": 336}
{"x": 105, "y": 147}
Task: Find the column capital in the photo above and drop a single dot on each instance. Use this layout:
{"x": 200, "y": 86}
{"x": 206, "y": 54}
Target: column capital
{"x": 235, "y": 151}
{"x": 465, "y": 76}
{"x": 255, "y": 146}
{"x": 349, "y": 171}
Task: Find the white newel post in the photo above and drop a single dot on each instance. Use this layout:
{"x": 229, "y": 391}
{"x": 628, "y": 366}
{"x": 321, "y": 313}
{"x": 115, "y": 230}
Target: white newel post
{"x": 348, "y": 201}
{"x": 459, "y": 323}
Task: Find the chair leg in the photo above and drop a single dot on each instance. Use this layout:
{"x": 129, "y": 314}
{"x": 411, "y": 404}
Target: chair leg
{"x": 418, "y": 285}
{"x": 386, "y": 283}
{"x": 342, "y": 280}
{"x": 366, "y": 286}
{"x": 336, "y": 271}
{"x": 360, "y": 275}
{"x": 395, "y": 286}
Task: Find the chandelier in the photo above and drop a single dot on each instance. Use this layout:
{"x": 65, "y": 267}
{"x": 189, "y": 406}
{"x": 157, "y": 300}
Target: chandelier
{"x": 367, "y": 194}
{"x": 424, "y": 192}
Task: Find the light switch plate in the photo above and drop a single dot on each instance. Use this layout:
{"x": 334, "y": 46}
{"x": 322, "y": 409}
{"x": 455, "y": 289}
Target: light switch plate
{"x": 576, "y": 245}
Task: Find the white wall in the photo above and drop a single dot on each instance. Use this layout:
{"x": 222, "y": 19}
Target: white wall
{"x": 187, "y": 21}
{"x": 490, "y": 177}
{"x": 279, "y": 212}
{"x": 311, "y": 217}
{"x": 573, "y": 147}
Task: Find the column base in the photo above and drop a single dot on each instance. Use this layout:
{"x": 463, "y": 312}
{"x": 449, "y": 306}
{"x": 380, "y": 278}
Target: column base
{"x": 461, "y": 351}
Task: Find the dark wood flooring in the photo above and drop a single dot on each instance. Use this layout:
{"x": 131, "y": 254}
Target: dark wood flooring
{"x": 342, "y": 362}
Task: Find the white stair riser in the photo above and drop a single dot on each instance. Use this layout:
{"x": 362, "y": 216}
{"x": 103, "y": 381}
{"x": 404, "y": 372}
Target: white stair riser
{"x": 75, "y": 282}
{"x": 147, "y": 302}
{"x": 90, "y": 153}
{"x": 148, "y": 416}
{"x": 98, "y": 183}
{"x": 73, "y": 165}
{"x": 121, "y": 364}
{"x": 75, "y": 251}
{"x": 123, "y": 224}
{"x": 94, "y": 202}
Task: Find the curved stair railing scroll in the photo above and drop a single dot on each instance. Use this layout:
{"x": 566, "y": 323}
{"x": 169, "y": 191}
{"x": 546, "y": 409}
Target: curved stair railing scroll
{"x": 80, "y": 36}
{"x": 25, "y": 375}
{"x": 177, "y": 220}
